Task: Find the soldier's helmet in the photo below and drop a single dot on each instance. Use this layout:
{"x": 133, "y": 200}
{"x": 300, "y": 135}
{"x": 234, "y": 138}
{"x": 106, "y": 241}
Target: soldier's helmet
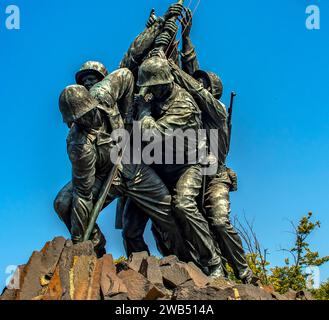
{"x": 74, "y": 102}
{"x": 154, "y": 71}
{"x": 215, "y": 82}
{"x": 91, "y": 67}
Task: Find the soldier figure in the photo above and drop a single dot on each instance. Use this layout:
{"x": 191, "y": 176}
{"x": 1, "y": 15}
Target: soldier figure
{"x": 159, "y": 32}
{"x": 173, "y": 108}
{"x": 94, "y": 115}
{"x": 90, "y": 73}
{"x": 207, "y": 90}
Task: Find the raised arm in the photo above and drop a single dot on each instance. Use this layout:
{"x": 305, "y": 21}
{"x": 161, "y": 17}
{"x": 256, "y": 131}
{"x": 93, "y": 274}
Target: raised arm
{"x": 158, "y": 33}
{"x": 141, "y": 46}
{"x": 189, "y": 59}
{"x": 205, "y": 100}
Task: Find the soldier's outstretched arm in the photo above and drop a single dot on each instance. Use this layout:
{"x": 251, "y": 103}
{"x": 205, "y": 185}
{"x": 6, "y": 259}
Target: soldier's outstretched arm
{"x": 116, "y": 93}
{"x": 189, "y": 59}
{"x": 141, "y": 46}
{"x": 145, "y": 41}
{"x": 205, "y": 100}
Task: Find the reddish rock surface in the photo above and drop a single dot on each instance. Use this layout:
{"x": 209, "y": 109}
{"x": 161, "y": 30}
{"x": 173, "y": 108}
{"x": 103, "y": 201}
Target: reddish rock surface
{"x": 111, "y": 285}
{"x": 63, "y": 271}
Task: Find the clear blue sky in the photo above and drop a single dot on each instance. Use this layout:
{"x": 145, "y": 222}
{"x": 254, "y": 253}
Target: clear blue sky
{"x": 261, "y": 49}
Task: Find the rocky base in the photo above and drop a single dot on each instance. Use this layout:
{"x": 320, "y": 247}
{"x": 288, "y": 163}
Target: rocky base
{"x": 63, "y": 271}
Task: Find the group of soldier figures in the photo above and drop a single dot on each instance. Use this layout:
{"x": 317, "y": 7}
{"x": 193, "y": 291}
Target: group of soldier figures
{"x": 176, "y": 94}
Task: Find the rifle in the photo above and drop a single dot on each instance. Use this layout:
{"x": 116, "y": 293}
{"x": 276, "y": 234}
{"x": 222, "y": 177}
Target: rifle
{"x": 229, "y": 120}
{"x": 101, "y": 200}
{"x": 106, "y": 187}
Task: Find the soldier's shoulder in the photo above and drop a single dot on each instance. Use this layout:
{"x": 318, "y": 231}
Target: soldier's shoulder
{"x": 120, "y": 72}
{"x": 185, "y": 98}
{"x": 182, "y": 93}
{"x": 77, "y": 139}
{"x": 221, "y": 106}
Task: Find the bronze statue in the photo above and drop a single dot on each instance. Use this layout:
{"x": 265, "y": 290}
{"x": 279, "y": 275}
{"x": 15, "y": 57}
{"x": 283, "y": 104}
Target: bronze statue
{"x": 180, "y": 97}
{"x": 94, "y": 115}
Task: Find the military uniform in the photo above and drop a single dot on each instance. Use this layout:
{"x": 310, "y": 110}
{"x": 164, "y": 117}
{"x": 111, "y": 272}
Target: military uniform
{"x": 179, "y": 111}
{"x": 134, "y": 225}
{"x": 214, "y": 116}
{"x": 89, "y": 152}
{"x": 133, "y": 58}
{"x": 217, "y": 203}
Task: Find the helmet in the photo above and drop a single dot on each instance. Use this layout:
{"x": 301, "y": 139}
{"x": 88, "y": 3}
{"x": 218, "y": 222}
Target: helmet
{"x": 154, "y": 71}
{"x": 215, "y": 82}
{"x": 74, "y": 102}
{"x": 91, "y": 67}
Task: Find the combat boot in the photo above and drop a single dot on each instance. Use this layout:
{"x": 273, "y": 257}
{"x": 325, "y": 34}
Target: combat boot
{"x": 249, "y": 278}
{"x": 216, "y": 271}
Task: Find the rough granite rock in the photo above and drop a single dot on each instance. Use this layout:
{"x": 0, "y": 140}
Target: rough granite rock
{"x": 55, "y": 289}
{"x": 39, "y": 270}
{"x": 193, "y": 293}
{"x": 85, "y": 278}
{"x": 175, "y": 275}
{"x": 278, "y": 296}
{"x": 150, "y": 269}
{"x": 250, "y": 292}
{"x": 268, "y": 288}
{"x": 290, "y": 295}
{"x": 156, "y": 293}
{"x": 136, "y": 259}
{"x": 137, "y": 285}
{"x": 112, "y": 286}
{"x": 304, "y": 295}
{"x": 66, "y": 263}
{"x": 168, "y": 261}
{"x": 197, "y": 276}
{"x": 222, "y": 283}
{"x": 8, "y": 294}
{"x": 63, "y": 271}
